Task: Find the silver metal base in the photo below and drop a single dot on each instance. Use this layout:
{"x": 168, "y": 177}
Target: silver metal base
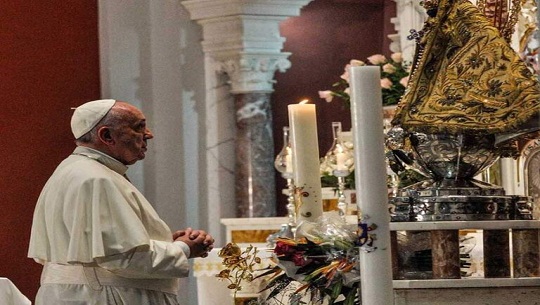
{"x": 452, "y": 200}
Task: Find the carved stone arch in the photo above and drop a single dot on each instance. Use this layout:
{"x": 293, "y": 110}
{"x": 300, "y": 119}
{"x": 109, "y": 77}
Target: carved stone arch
{"x": 410, "y": 16}
{"x": 530, "y": 158}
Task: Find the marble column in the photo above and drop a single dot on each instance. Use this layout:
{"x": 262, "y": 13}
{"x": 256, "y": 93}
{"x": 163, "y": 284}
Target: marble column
{"x": 445, "y": 254}
{"x": 255, "y": 185}
{"x": 395, "y": 255}
{"x": 242, "y": 44}
{"x": 251, "y": 85}
{"x": 525, "y": 250}
{"x": 496, "y": 253}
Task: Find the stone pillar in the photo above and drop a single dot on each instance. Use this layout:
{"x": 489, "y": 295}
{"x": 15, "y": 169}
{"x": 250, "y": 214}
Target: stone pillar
{"x": 255, "y": 185}
{"x": 445, "y": 254}
{"x": 496, "y": 253}
{"x": 395, "y": 255}
{"x": 241, "y": 41}
{"x": 525, "y": 249}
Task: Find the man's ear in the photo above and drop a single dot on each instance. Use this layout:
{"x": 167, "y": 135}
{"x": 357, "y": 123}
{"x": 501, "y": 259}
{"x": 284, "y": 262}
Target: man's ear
{"x": 104, "y": 135}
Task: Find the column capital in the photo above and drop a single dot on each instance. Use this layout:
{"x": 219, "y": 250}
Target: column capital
{"x": 208, "y": 9}
{"x": 252, "y": 72}
{"x": 243, "y": 38}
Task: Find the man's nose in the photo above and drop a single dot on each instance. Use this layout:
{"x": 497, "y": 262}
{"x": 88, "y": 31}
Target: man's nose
{"x": 148, "y": 134}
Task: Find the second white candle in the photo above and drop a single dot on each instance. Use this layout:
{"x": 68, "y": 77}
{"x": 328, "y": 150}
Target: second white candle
{"x": 305, "y": 146}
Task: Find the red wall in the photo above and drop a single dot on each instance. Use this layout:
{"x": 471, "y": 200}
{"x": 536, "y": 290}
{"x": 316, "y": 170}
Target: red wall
{"x": 49, "y": 62}
{"x": 322, "y": 40}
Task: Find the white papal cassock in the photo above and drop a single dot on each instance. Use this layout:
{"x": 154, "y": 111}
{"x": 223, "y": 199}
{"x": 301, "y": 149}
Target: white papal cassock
{"x": 100, "y": 240}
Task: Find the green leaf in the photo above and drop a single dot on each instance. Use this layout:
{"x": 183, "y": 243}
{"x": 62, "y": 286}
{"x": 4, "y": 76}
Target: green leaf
{"x": 349, "y": 300}
{"x": 336, "y": 289}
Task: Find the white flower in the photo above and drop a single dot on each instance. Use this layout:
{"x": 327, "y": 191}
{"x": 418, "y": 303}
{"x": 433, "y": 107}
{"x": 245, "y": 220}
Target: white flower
{"x": 327, "y": 95}
{"x": 377, "y": 59}
{"x": 348, "y": 144}
{"x": 389, "y": 68}
{"x": 386, "y": 83}
{"x": 357, "y": 63}
{"x": 353, "y": 63}
{"x": 404, "y": 81}
{"x": 397, "y": 57}
{"x": 345, "y": 74}
{"x": 392, "y": 81}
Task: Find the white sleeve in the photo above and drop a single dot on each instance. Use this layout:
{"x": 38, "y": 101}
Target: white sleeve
{"x": 185, "y": 248}
{"x": 161, "y": 259}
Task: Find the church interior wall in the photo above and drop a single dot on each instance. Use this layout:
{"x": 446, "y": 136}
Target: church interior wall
{"x": 49, "y": 62}
{"x": 150, "y": 55}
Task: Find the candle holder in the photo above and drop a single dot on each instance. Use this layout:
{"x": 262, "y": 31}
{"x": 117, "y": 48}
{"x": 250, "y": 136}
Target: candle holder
{"x": 339, "y": 162}
{"x": 283, "y": 164}
{"x": 342, "y": 204}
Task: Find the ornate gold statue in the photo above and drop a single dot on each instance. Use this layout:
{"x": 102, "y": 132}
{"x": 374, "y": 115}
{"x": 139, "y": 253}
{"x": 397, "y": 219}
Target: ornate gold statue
{"x": 466, "y": 78}
{"x": 469, "y": 98}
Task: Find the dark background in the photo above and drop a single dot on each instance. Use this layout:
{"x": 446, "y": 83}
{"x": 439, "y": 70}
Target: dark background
{"x": 322, "y": 40}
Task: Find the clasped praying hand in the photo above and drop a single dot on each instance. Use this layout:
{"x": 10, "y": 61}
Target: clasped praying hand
{"x": 199, "y": 242}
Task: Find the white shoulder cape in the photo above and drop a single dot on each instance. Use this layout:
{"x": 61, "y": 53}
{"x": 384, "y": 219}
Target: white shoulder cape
{"x": 88, "y": 210}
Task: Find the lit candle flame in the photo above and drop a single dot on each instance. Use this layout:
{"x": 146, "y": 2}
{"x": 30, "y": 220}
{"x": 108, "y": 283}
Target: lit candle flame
{"x": 304, "y": 102}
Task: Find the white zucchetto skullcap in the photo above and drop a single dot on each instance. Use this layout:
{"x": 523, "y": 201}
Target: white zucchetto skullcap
{"x": 88, "y": 115}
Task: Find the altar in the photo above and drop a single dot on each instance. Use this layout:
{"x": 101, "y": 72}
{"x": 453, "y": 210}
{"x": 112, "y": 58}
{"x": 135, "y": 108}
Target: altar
{"x": 453, "y": 121}
{"x": 467, "y": 290}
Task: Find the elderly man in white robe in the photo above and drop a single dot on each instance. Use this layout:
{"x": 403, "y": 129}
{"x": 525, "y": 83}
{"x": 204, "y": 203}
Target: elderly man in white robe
{"x": 99, "y": 239}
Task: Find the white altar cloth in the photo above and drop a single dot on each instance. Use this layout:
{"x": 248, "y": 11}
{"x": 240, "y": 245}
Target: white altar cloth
{"x": 10, "y": 294}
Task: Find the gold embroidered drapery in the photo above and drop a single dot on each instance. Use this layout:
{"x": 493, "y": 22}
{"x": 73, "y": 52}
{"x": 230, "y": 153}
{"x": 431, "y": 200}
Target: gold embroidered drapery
{"x": 466, "y": 78}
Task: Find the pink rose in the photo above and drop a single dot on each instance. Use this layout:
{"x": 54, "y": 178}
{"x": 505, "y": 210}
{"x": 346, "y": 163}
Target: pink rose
{"x": 404, "y": 81}
{"x": 377, "y": 59}
{"x": 397, "y": 57}
{"x": 386, "y": 83}
{"x": 389, "y": 68}
{"x": 298, "y": 259}
{"x": 327, "y": 95}
{"x": 283, "y": 249}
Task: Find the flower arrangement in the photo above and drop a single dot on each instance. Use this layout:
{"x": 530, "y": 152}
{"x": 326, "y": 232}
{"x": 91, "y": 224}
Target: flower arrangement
{"x": 322, "y": 270}
{"x": 394, "y": 78}
{"x": 323, "y": 262}
{"x": 321, "y": 265}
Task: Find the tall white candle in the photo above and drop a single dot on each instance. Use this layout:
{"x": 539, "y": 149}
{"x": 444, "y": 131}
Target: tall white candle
{"x": 341, "y": 157}
{"x": 371, "y": 191}
{"x": 305, "y": 146}
{"x": 288, "y": 161}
